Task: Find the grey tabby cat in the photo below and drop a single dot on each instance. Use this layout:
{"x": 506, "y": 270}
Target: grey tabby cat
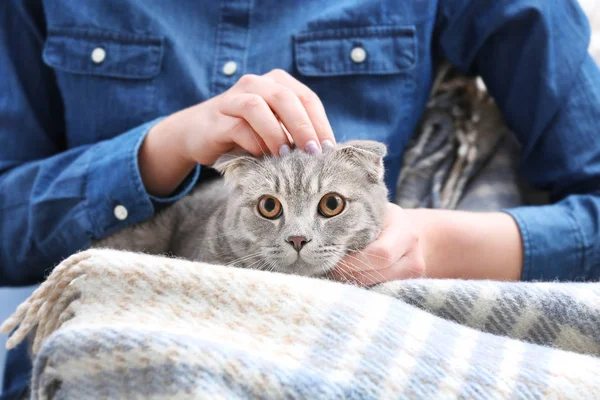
{"x": 297, "y": 214}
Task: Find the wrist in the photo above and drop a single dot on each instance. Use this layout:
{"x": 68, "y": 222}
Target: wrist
{"x": 162, "y": 160}
{"x": 426, "y": 226}
{"x": 171, "y": 134}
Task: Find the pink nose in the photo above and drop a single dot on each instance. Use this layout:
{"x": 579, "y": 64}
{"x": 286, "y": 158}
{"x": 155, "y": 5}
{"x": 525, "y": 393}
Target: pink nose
{"x": 297, "y": 241}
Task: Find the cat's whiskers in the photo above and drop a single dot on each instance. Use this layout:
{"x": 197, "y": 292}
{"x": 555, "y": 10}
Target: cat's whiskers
{"x": 268, "y": 265}
{"x": 260, "y": 253}
{"x": 262, "y": 262}
{"x": 328, "y": 270}
{"x": 342, "y": 274}
{"x": 340, "y": 254}
{"x": 249, "y": 255}
{"x": 388, "y": 260}
{"x": 331, "y": 264}
{"x": 368, "y": 264}
{"x": 365, "y": 274}
{"x": 272, "y": 265}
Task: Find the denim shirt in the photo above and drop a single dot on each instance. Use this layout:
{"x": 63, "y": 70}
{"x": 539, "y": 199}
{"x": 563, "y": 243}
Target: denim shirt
{"x": 81, "y": 83}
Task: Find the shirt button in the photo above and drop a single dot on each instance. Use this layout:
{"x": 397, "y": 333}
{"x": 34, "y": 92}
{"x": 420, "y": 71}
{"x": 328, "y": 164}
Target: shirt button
{"x": 229, "y": 68}
{"x": 358, "y": 55}
{"x": 98, "y": 55}
{"x": 120, "y": 212}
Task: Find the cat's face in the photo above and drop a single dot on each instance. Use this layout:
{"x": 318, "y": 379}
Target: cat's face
{"x": 302, "y": 213}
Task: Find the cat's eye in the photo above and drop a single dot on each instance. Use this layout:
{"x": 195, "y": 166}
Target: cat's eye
{"x": 331, "y": 205}
{"x": 269, "y": 207}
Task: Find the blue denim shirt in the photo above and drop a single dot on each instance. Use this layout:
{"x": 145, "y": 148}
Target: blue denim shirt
{"x": 72, "y": 118}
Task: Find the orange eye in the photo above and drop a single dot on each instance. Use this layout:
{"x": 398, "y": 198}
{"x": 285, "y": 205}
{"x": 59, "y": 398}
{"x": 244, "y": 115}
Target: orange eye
{"x": 269, "y": 207}
{"x": 331, "y": 205}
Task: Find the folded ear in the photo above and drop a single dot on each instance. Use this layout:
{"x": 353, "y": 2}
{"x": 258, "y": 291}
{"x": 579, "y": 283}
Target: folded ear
{"x": 231, "y": 164}
{"x": 367, "y": 154}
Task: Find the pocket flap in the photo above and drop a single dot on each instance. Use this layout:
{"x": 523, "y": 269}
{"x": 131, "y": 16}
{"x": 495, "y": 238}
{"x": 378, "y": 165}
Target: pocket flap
{"x": 117, "y": 54}
{"x": 385, "y": 50}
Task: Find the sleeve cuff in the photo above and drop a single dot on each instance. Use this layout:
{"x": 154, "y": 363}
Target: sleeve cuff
{"x": 115, "y": 192}
{"x": 553, "y": 245}
{"x": 182, "y": 190}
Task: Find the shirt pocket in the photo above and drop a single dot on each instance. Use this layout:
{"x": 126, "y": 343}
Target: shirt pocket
{"x": 365, "y": 77}
{"x": 106, "y": 79}
{"x": 376, "y": 50}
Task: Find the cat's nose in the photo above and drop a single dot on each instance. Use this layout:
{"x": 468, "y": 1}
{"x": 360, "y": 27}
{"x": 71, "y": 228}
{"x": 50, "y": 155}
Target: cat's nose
{"x": 297, "y": 241}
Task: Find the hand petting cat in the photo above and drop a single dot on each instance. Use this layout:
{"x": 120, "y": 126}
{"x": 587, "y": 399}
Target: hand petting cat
{"x": 396, "y": 254}
{"x": 248, "y": 116}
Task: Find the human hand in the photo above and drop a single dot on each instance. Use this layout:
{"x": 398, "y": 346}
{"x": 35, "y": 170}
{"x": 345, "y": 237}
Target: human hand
{"x": 396, "y": 254}
{"x": 246, "y": 117}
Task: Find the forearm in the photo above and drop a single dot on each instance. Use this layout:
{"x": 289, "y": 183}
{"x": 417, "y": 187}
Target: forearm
{"x": 469, "y": 245}
{"x": 162, "y": 164}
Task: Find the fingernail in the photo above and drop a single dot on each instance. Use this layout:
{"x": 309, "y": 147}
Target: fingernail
{"x": 312, "y": 147}
{"x": 284, "y": 150}
{"x": 327, "y": 145}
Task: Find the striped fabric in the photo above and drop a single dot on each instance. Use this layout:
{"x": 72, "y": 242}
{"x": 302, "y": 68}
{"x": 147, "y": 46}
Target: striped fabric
{"x": 119, "y": 325}
{"x": 560, "y": 315}
{"x": 462, "y": 155}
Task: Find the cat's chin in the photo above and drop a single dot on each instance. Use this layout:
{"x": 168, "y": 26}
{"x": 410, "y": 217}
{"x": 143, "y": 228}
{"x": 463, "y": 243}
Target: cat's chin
{"x": 304, "y": 268}
{"x": 297, "y": 265}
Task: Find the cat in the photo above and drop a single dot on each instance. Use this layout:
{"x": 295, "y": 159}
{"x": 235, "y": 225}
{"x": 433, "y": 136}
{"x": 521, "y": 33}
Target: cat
{"x": 298, "y": 213}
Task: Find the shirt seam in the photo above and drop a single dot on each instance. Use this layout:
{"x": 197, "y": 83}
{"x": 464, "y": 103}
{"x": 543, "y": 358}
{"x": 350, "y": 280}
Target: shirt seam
{"x": 442, "y": 14}
{"x": 525, "y": 235}
{"x": 183, "y": 189}
{"x": 248, "y": 34}
{"x": 135, "y": 170}
{"x": 30, "y": 25}
{"x": 218, "y": 50}
{"x": 92, "y": 221}
{"x": 582, "y": 244}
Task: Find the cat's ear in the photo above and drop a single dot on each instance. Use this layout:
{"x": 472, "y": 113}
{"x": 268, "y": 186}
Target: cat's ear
{"x": 231, "y": 164}
{"x": 367, "y": 154}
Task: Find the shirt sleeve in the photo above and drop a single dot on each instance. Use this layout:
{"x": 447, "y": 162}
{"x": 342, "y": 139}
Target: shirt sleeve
{"x": 54, "y": 200}
{"x": 532, "y": 55}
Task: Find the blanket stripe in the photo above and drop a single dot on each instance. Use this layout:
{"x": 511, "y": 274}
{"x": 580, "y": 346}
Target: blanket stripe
{"x": 562, "y": 315}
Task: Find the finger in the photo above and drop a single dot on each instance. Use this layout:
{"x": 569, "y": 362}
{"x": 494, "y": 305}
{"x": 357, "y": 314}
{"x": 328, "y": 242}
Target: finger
{"x": 255, "y": 110}
{"x": 410, "y": 266}
{"x": 311, "y": 102}
{"x": 356, "y": 273}
{"x": 244, "y": 137}
{"x": 284, "y": 102}
{"x": 388, "y": 256}
{"x": 371, "y": 261}
{"x": 359, "y": 269}
{"x": 396, "y": 238}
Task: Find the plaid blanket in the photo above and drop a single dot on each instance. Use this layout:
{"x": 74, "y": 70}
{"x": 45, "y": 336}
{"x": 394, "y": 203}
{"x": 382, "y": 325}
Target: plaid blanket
{"x": 110, "y": 324}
